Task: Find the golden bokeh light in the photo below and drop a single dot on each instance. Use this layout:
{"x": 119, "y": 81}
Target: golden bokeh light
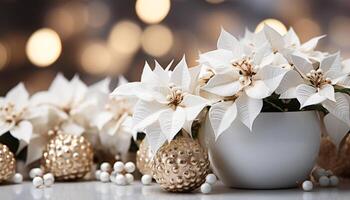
{"x": 157, "y": 40}
{"x": 43, "y": 47}
{"x": 96, "y": 58}
{"x": 3, "y": 56}
{"x": 125, "y": 37}
{"x": 152, "y": 11}
{"x": 274, "y": 23}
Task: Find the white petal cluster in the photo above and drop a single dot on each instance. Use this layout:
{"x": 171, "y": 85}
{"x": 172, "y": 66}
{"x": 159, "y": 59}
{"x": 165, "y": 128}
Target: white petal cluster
{"x": 166, "y": 101}
{"x": 241, "y": 73}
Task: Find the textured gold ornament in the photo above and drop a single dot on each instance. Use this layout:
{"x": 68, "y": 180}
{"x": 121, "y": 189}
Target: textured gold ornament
{"x": 144, "y": 158}
{"x": 181, "y": 165}
{"x": 68, "y": 157}
{"x": 336, "y": 160}
{"x": 7, "y": 163}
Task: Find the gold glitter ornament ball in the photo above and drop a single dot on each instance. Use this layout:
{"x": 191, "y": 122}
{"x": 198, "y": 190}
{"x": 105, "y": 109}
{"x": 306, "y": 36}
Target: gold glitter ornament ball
{"x": 181, "y": 165}
{"x": 68, "y": 157}
{"x": 336, "y": 160}
{"x": 7, "y": 163}
{"x": 144, "y": 158}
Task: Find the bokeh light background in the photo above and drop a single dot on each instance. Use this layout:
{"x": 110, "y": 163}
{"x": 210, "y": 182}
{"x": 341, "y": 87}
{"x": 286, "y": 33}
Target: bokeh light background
{"x": 98, "y": 38}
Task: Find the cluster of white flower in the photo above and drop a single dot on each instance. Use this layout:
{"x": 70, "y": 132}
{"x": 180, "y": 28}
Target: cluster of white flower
{"x": 70, "y": 107}
{"x": 234, "y": 80}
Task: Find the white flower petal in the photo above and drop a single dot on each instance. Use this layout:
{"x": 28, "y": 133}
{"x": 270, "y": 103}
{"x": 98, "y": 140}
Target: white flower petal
{"x": 171, "y": 121}
{"x": 70, "y": 127}
{"x": 146, "y": 113}
{"x": 331, "y": 62}
{"x": 311, "y": 44}
{"x": 308, "y": 95}
{"x": 22, "y": 131}
{"x": 103, "y": 85}
{"x": 218, "y": 59}
{"x": 258, "y": 90}
{"x": 223, "y": 84}
{"x": 327, "y": 91}
{"x": 102, "y": 119}
{"x": 275, "y": 39}
{"x": 5, "y": 127}
{"x": 303, "y": 65}
{"x": 344, "y": 82}
{"x": 272, "y": 76}
{"x": 340, "y": 108}
{"x": 36, "y": 147}
{"x": 291, "y": 38}
{"x": 122, "y": 80}
{"x": 133, "y": 89}
{"x": 181, "y": 75}
{"x": 248, "y": 109}
{"x": 155, "y": 137}
{"x": 229, "y": 42}
{"x": 148, "y": 76}
{"x": 193, "y": 105}
{"x": 61, "y": 91}
{"x": 221, "y": 116}
{"x": 288, "y": 85}
{"x": 18, "y": 96}
{"x": 336, "y": 129}
{"x": 162, "y": 74}
{"x": 79, "y": 90}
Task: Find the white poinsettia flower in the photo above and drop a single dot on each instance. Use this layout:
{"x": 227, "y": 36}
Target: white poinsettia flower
{"x": 15, "y": 115}
{"x": 289, "y": 44}
{"x": 345, "y": 81}
{"x": 166, "y": 97}
{"x": 244, "y": 76}
{"x": 319, "y": 81}
{"x": 114, "y": 124}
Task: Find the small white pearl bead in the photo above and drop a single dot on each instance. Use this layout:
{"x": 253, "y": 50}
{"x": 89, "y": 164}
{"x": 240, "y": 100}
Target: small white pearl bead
{"x": 146, "y": 179}
{"x": 324, "y": 181}
{"x": 120, "y": 179}
{"x": 105, "y": 167}
{"x": 49, "y": 179}
{"x": 129, "y": 178}
{"x": 334, "y": 180}
{"x": 118, "y": 166}
{"x": 38, "y": 181}
{"x": 211, "y": 179}
{"x": 205, "y": 188}
{"x": 129, "y": 167}
{"x": 104, "y": 177}
{"x": 97, "y": 174}
{"x": 329, "y": 173}
{"x": 17, "y": 178}
{"x": 307, "y": 186}
{"x": 35, "y": 172}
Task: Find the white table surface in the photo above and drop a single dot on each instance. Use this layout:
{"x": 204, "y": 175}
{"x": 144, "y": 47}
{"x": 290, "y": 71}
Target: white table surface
{"x": 108, "y": 191}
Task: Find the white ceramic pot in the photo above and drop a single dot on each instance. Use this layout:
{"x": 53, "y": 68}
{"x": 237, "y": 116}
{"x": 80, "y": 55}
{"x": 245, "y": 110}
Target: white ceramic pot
{"x": 280, "y": 151}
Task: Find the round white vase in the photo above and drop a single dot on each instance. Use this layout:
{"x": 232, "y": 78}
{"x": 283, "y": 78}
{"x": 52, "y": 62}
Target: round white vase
{"x": 279, "y": 152}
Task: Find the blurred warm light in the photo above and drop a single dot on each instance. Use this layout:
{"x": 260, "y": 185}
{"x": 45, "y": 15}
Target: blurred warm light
{"x": 274, "y": 23}
{"x": 339, "y": 29}
{"x": 99, "y": 14}
{"x": 96, "y": 58}
{"x": 152, "y": 11}
{"x": 157, "y": 40}
{"x": 306, "y": 28}
{"x": 43, "y": 47}
{"x": 62, "y": 21}
{"x": 3, "y": 56}
{"x": 215, "y": 1}
{"x": 125, "y": 37}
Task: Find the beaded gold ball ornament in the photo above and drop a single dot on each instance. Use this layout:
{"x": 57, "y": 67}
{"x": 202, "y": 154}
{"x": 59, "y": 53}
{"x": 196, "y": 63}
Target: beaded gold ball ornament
{"x": 181, "y": 165}
{"x": 7, "y": 163}
{"x": 336, "y": 160}
{"x": 68, "y": 157}
{"x": 144, "y": 158}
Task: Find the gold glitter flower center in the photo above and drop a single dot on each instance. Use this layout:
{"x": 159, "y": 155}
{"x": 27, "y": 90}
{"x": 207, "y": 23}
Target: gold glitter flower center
{"x": 246, "y": 70}
{"x": 10, "y": 114}
{"x": 317, "y": 78}
{"x": 175, "y": 97}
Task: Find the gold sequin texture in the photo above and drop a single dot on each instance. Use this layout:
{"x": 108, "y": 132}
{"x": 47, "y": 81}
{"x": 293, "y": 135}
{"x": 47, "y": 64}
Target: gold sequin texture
{"x": 7, "y": 163}
{"x": 181, "y": 165}
{"x": 336, "y": 160}
{"x": 144, "y": 158}
{"x": 68, "y": 157}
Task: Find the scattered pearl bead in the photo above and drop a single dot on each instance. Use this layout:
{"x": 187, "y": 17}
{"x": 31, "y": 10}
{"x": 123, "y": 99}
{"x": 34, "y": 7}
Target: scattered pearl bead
{"x": 129, "y": 167}
{"x": 120, "y": 179}
{"x": 104, "y": 177}
{"x": 211, "y": 179}
{"x": 105, "y": 167}
{"x": 205, "y": 188}
{"x": 334, "y": 180}
{"x": 97, "y": 174}
{"x": 118, "y": 166}
{"x": 324, "y": 181}
{"x": 38, "y": 181}
{"x": 129, "y": 178}
{"x": 35, "y": 172}
{"x": 17, "y": 178}
{"x": 49, "y": 179}
{"x": 146, "y": 179}
{"x": 319, "y": 172}
{"x": 329, "y": 173}
{"x": 112, "y": 177}
{"x": 307, "y": 186}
